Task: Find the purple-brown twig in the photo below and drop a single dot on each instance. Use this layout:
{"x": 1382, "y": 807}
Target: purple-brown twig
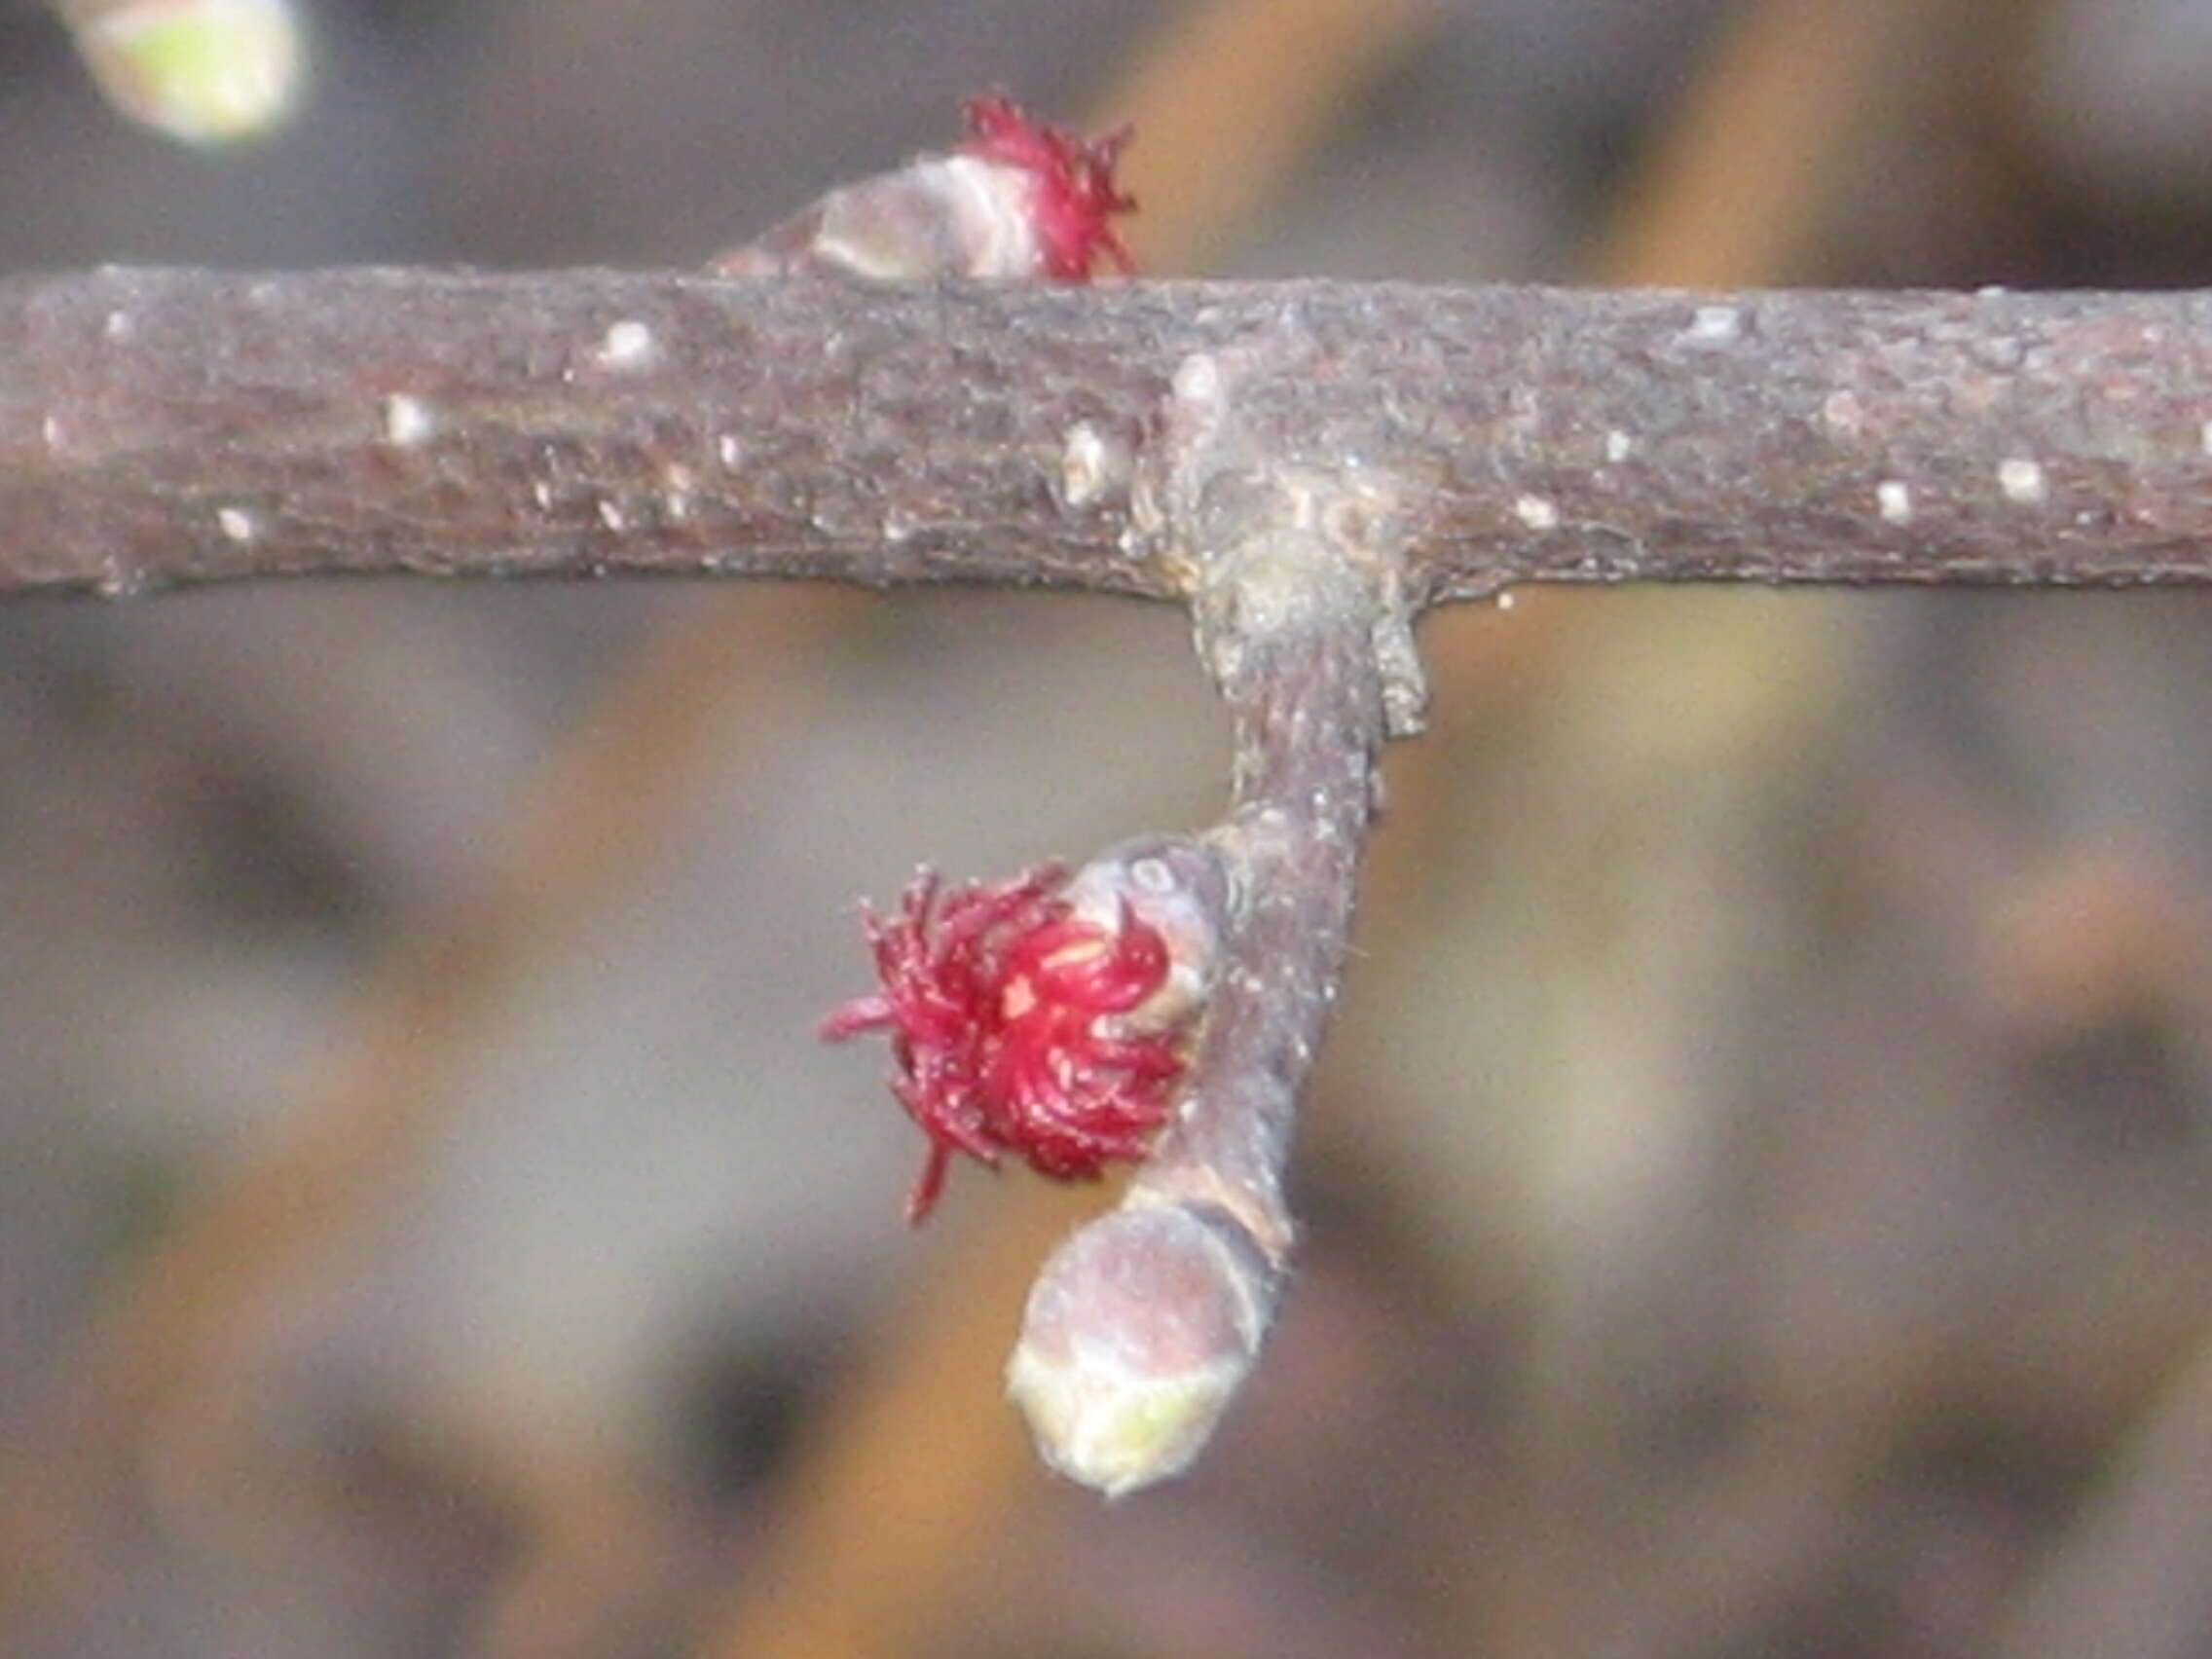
{"x": 167, "y": 428}
{"x": 1145, "y": 1323}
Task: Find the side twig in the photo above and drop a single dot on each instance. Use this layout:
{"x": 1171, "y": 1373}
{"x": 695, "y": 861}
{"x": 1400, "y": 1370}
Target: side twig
{"x": 1145, "y": 1322}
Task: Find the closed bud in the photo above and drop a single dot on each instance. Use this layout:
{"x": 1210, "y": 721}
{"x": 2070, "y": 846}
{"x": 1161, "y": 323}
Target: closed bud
{"x": 199, "y": 71}
{"x": 1139, "y": 1333}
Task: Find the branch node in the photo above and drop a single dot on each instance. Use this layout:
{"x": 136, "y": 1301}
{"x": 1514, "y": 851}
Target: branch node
{"x": 1273, "y": 547}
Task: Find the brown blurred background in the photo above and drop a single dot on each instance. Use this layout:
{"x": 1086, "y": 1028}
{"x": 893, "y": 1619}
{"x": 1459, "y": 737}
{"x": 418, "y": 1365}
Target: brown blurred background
{"x": 1758, "y": 1187}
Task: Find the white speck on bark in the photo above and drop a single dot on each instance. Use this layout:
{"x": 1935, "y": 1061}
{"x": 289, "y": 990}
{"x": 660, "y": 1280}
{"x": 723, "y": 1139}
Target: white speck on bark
{"x": 1090, "y": 465}
{"x": 628, "y": 345}
{"x": 2023, "y": 481}
{"x": 729, "y": 450}
{"x": 237, "y": 523}
{"x": 1715, "y": 324}
{"x": 408, "y": 421}
{"x": 612, "y": 516}
{"x": 1894, "y": 500}
{"x": 1535, "y": 512}
{"x": 1197, "y": 379}
{"x": 1618, "y": 446}
{"x": 119, "y": 325}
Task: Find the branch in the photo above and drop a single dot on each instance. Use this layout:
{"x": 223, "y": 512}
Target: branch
{"x": 169, "y": 428}
{"x": 1145, "y": 1323}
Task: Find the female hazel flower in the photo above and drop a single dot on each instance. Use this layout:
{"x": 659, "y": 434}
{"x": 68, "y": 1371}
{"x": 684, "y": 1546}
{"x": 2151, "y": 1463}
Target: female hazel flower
{"x": 1039, "y": 1017}
{"x": 1073, "y": 197}
{"x": 1017, "y": 199}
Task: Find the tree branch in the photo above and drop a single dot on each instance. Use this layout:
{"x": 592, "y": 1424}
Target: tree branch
{"x": 167, "y": 427}
{"x": 1144, "y": 1324}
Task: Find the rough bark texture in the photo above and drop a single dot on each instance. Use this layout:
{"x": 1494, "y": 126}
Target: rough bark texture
{"x": 161, "y": 427}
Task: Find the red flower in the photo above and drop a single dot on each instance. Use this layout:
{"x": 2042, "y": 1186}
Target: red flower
{"x": 1006, "y": 1011}
{"x": 1075, "y": 194}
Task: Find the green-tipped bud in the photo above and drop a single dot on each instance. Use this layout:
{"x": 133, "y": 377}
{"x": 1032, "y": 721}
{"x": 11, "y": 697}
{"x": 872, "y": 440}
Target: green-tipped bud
{"x": 199, "y": 71}
{"x": 1140, "y": 1330}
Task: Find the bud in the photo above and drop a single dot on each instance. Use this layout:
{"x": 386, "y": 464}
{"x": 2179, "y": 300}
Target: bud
{"x": 1046, "y": 1017}
{"x": 1017, "y": 200}
{"x": 199, "y": 71}
{"x": 1139, "y": 1331}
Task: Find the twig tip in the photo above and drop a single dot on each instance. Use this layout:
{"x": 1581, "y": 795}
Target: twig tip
{"x": 1139, "y": 1333}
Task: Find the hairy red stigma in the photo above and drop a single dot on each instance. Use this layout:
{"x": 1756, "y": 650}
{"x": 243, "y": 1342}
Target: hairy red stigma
{"x": 1003, "y": 1009}
{"x": 1075, "y": 198}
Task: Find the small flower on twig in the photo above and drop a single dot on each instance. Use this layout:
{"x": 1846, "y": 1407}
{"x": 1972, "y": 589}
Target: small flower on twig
{"x": 1017, "y": 200}
{"x": 1073, "y": 195}
{"x": 1040, "y": 1016}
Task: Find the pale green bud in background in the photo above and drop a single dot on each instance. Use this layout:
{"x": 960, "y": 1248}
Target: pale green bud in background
{"x": 197, "y": 71}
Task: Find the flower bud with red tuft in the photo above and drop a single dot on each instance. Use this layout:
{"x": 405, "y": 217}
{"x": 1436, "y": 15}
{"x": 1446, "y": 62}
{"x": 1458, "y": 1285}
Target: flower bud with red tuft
{"x": 1048, "y": 1015}
{"x": 1073, "y": 197}
{"x": 1017, "y": 200}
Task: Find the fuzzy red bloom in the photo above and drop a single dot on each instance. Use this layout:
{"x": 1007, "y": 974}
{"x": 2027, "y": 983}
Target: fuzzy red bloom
{"x": 1074, "y": 195}
{"x": 1003, "y": 1009}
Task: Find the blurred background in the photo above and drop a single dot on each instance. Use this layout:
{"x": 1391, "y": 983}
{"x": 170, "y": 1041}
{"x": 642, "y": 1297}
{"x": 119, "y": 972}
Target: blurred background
{"x": 1757, "y": 1189}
